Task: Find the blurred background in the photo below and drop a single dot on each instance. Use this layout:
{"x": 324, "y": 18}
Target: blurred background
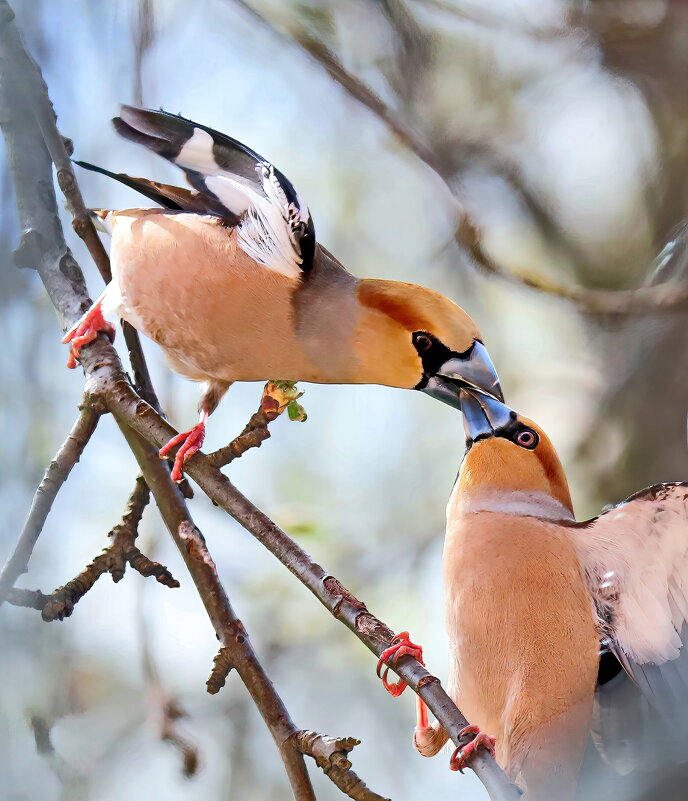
{"x": 559, "y": 129}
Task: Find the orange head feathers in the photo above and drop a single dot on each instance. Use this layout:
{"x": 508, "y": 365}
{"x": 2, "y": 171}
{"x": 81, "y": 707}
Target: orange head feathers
{"x": 510, "y": 463}
{"x": 412, "y": 337}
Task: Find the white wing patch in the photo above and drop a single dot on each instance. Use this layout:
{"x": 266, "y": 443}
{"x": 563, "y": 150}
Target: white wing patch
{"x": 268, "y": 232}
{"x": 269, "y": 223}
{"x": 197, "y": 153}
{"x": 635, "y": 559}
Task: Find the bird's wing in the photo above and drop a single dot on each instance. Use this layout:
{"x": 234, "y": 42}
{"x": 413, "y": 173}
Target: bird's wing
{"x": 635, "y": 561}
{"x": 176, "y": 198}
{"x": 274, "y": 225}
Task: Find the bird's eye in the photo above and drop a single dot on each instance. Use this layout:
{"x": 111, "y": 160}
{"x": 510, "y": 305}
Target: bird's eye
{"x": 527, "y": 439}
{"x": 422, "y": 342}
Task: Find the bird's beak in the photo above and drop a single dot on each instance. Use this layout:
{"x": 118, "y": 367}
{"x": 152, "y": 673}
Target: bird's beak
{"x": 474, "y": 372}
{"x": 483, "y": 415}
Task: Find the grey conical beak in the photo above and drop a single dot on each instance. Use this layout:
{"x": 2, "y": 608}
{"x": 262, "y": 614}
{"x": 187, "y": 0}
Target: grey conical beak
{"x": 483, "y": 415}
{"x": 476, "y": 371}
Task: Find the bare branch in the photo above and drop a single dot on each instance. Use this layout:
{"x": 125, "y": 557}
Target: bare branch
{"x": 331, "y": 756}
{"x": 60, "y": 603}
{"x": 106, "y": 381}
{"x": 165, "y": 709}
{"x": 228, "y": 628}
{"x": 55, "y": 475}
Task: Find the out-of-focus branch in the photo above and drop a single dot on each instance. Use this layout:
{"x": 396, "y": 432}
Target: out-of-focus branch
{"x": 641, "y": 300}
{"x": 55, "y": 475}
{"x": 650, "y": 299}
{"x": 166, "y": 711}
{"x": 479, "y": 14}
{"x": 74, "y": 785}
{"x": 144, "y": 36}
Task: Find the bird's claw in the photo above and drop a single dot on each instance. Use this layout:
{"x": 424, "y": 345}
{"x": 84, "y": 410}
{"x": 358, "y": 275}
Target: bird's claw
{"x": 464, "y": 754}
{"x": 191, "y": 442}
{"x": 401, "y": 645}
{"x": 85, "y": 330}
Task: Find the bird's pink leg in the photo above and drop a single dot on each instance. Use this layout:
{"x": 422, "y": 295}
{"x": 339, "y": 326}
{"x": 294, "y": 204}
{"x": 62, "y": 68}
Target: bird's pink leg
{"x": 192, "y": 441}
{"x": 86, "y": 330}
{"x": 463, "y": 755}
{"x": 400, "y": 646}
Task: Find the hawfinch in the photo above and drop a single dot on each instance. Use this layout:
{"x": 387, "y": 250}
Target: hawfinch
{"x": 532, "y": 600}
{"x": 229, "y": 280}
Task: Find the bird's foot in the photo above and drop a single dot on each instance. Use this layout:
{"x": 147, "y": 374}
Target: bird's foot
{"x": 86, "y": 330}
{"x": 464, "y": 754}
{"x": 191, "y": 442}
{"x": 400, "y": 646}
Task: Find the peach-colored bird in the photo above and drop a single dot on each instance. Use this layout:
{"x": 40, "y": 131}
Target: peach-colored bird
{"x": 229, "y": 280}
{"x": 532, "y": 597}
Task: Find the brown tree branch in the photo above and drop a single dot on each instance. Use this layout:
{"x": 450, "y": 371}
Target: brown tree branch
{"x": 55, "y": 475}
{"x": 141, "y": 425}
{"x": 107, "y": 382}
{"x": 612, "y": 302}
{"x": 31, "y": 170}
{"x": 228, "y": 628}
{"x": 278, "y": 396}
{"x": 60, "y": 603}
{"x": 331, "y": 756}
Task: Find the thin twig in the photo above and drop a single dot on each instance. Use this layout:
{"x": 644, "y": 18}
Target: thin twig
{"x": 55, "y": 475}
{"x": 277, "y": 397}
{"x": 60, "y": 603}
{"x": 74, "y": 784}
{"x": 165, "y": 709}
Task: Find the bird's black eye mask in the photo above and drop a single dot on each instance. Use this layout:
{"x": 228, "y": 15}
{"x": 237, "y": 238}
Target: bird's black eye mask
{"x": 433, "y": 354}
{"x": 515, "y": 431}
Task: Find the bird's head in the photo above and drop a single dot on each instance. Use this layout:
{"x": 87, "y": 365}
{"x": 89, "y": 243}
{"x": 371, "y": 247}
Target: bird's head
{"x": 510, "y": 462}
{"x": 415, "y": 338}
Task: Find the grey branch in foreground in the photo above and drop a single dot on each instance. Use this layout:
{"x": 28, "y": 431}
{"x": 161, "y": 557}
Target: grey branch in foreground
{"x": 610, "y": 302}
{"x": 142, "y": 425}
{"x": 70, "y": 299}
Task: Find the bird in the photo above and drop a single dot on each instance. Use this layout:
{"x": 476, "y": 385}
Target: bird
{"x": 229, "y": 280}
{"x": 535, "y": 602}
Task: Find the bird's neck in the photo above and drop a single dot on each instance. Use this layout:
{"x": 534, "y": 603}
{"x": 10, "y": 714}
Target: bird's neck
{"x": 512, "y": 502}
